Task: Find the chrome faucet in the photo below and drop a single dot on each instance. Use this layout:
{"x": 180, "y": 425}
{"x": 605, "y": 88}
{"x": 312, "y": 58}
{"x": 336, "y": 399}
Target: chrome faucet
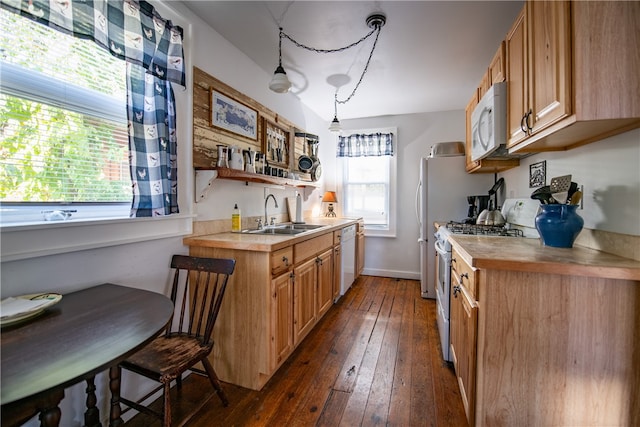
{"x": 266, "y": 200}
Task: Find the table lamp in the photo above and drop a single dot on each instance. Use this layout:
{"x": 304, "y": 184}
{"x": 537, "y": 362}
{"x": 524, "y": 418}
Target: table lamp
{"x": 330, "y": 197}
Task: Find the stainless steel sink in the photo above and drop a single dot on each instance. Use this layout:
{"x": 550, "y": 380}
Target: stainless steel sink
{"x": 285, "y": 229}
{"x": 277, "y": 230}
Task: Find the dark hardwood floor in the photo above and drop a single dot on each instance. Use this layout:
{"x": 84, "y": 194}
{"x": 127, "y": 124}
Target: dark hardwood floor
{"x": 374, "y": 359}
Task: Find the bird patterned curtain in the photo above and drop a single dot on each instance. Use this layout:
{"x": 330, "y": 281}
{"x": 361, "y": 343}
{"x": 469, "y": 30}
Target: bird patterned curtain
{"x": 360, "y": 145}
{"x": 132, "y": 30}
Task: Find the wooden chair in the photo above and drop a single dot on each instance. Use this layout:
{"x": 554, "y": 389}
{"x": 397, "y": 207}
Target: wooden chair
{"x": 197, "y": 291}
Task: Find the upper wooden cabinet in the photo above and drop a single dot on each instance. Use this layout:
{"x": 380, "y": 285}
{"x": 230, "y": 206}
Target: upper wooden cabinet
{"x": 539, "y": 69}
{"x": 572, "y": 74}
{"x": 497, "y": 69}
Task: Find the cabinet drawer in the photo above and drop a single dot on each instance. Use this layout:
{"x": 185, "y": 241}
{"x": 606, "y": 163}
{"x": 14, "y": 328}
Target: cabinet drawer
{"x": 337, "y": 236}
{"x": 461, "y": 270}
{"x": 311, "y": 247}
{"x": 281, "y": 260}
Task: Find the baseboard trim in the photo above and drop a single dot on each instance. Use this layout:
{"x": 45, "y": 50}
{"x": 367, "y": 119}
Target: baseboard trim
{"x": 410, "y": 275}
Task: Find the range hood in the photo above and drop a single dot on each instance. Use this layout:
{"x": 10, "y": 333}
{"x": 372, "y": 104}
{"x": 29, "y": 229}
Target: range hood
{"x": 447, "y": 149}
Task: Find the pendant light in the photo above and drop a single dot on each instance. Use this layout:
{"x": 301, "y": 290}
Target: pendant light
{"x": 280, "y": 83}
{"x": 335, "y": 123}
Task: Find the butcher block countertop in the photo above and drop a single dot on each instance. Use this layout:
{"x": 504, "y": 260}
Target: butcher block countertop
{"x": 529, "y": 255}
{"x": 266, "y": 242}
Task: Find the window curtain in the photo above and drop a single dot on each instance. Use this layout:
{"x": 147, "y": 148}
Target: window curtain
{"x": 132, "y": 30}
{"x": 360, "y": 145}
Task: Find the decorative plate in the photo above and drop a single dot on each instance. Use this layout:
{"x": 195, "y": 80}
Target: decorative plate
{"x": 28, "y": 313}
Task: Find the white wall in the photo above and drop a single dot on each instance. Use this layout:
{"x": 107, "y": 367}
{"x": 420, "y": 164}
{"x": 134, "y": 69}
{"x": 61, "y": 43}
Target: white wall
{"x": 399, "y": 256}
{"x": 609, "y": 170}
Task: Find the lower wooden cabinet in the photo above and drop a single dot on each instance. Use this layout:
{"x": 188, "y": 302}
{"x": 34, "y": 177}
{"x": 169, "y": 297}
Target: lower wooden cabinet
{"x": 360, "y": 249}
{"x": 281, "y": 319}
{"x": 464, "y": 332}
{"x": 273, "y": 300}
{"x": 304, "y": 303}
{"x": 324, "y": 297}
{"x": 337, "y": 270}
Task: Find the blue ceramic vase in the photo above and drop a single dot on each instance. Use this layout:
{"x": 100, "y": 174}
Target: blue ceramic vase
{"x": 558, "y": 225}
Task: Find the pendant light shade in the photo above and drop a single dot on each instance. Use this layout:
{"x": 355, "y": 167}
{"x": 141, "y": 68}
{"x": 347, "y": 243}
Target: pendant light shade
{"x": 335, "y": 125}
{"x": 280, "y": 83}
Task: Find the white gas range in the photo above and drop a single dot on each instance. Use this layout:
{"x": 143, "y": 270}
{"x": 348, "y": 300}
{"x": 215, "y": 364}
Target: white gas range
{"x": 520, "y": 217}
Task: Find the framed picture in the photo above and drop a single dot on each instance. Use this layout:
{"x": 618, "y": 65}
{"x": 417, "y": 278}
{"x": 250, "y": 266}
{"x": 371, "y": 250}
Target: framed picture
{"x": 537, "y": 174}
{"x": 233, "y": 116}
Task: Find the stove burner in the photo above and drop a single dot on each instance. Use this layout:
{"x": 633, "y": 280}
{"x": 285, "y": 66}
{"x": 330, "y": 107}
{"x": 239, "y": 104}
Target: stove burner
{"x": 484, "y": 230}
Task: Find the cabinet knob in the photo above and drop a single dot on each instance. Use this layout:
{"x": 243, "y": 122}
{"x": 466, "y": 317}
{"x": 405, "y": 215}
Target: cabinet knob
{"x": 453, "y": 260}
{"x": 462, "y": 276}
{"x": 456, "y": 289}
{"x": 285, "y": 260}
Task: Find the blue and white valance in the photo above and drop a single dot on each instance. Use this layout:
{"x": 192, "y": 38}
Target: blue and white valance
{"x": 361, "y": 145}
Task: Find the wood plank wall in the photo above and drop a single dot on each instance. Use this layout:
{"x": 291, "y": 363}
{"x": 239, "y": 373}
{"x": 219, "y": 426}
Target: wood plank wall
{"x": 206, "y": 137}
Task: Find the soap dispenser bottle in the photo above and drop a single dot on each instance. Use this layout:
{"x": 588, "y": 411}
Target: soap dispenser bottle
{"x": 236, "y": 220}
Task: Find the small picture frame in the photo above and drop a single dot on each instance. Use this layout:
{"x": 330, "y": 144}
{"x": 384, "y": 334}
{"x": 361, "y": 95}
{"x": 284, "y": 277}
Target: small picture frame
{"x": 537, "y": 174}
{"x": 233, "y": 116}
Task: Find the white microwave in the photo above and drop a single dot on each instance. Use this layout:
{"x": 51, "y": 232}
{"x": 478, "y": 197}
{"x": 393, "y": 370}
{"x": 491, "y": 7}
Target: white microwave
{"x": 489, "y": 122}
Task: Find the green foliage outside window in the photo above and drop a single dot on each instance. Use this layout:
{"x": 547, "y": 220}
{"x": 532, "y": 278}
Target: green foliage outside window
{"x": 58, "y": 153}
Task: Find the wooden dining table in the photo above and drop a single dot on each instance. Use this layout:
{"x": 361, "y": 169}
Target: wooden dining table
{"x": 87, "y": 332}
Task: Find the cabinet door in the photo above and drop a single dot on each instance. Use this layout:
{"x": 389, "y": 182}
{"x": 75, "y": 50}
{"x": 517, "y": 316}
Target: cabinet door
{"x": 304, "y": 303}
{"x": 464, "y": 327}
{"x": 324, "y": 296}
{"x": 517, "y": 103}
{"x": 281, "y": 324}
{"x": 359, "y": 254}
{"x": 497, "y": 66}
{"x": 549, "y": 47}
{"x": 470, "y": 164}
{"x": 337, "y": 270}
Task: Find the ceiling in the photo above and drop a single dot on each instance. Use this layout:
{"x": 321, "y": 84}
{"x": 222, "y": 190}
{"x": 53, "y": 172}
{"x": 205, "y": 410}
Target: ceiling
{"x": 430, "y": 55}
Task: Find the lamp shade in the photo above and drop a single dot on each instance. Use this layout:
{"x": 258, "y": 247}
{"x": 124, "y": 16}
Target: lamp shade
{"x": 330, "y": 197}
{"x": 335, "y": 125}
{"x": 280, "y": 83}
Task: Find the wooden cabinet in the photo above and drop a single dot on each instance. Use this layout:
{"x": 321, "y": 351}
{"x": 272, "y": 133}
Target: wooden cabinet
{"x": 571, "y": 79}
{"x": 537, "y": 345}
{"x": 312, "y": 292}
{"x": 359, "y": 249}
{"x": 337, "y": 271}
{"x": 464, "y": 328}
{"x": 304, "y": 299}
{"x": 539, "y": 69}
{"x": 494, "y": 74}
{"x": 497, "y": 68}
{"x": 325, "y": 267}
{"x": 272, "y": 301}
{"x": 337, "y": 263}
{"x": 281, "y": 334}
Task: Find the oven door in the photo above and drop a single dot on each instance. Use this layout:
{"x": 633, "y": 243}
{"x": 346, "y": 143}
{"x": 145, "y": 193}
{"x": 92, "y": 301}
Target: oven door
{"x": 443, "y": 277}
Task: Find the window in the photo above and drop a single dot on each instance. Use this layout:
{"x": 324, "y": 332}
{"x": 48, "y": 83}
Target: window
{"x": 368, "y": 190}
{"x": 63, "y": 131}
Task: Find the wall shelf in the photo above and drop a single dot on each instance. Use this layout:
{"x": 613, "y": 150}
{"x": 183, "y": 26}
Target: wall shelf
{"x": 203, "y": 187}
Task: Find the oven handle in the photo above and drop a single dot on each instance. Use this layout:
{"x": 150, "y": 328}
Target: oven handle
{"x": 440, "y": 248}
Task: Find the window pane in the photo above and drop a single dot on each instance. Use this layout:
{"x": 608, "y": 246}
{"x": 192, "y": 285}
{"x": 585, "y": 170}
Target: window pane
{"x": 48, "y": 154}
{"x": 63, "y": 134}
{"x": 366, "y": 189}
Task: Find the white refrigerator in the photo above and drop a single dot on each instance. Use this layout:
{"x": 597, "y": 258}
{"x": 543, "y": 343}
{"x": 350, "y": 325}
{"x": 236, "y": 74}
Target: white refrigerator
{"x": 441, "y": 195}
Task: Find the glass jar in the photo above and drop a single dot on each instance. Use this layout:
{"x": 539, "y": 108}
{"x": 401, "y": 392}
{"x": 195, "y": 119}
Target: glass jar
{"x": 558, "y": 225}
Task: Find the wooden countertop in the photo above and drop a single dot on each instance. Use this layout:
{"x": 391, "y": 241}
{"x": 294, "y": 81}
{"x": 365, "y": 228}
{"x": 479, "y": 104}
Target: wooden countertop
{"x": 529, "y": 255}
{"x": 266, "y": 242}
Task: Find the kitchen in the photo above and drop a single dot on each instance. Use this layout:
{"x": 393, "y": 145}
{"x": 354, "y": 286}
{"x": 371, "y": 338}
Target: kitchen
{"x": 607, "y": 169}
